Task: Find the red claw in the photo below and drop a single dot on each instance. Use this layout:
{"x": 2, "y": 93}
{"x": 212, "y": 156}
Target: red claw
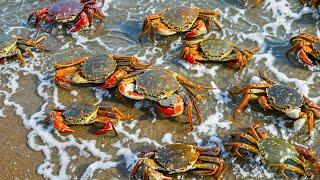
{"x": 60, "y": 126}
{"x": 108, "y": 126}
{"x": 111, "y": 82}
{"x": 81, "y": 23}
{"x": 190, "y": 34}
{"x": 190, "y": 59}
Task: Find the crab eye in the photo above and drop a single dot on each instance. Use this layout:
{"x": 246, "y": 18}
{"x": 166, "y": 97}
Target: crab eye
{"x": 263, "y": 153}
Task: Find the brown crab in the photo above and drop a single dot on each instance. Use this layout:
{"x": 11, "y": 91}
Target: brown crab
{"x": 192, "y": 21}
{"x": 272, "y": 96}
{"x": 306, "y": 49}
{"x": 276, "y": 152}
{"x": 179, "y": 158}
{"x": 212, "y": 49}
{"x": 82, "y": 114}
{"x": 13, "y": 45}
{"x": 169, "y": 89}
{"x": 107, "y": 70}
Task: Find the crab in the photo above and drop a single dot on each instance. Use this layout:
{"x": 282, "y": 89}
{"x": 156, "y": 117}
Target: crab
{"x": 169, "y": 89}
{"x": 306, "y": 49}
{"x": 311, "y": 3}
{"x": 192, "y": 21}
{"x": 107, "y": 70}
{"x": 276, "y": 152}
{"x": 179, "y": 158}
{"x": 13, "y": 45}
{"x": 82, "y": 114}
{"x": 79, "y": 13}
{"x": 211, "y": 49}
{"x": 275, "y": 96}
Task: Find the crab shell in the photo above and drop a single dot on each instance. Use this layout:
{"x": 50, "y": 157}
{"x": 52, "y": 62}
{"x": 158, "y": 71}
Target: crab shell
{"x": 65, "y": 11}
{"x": 156, "y": 84}
{"x": 177, "y": 158}
{"x": 180, "y": 18}
{"x": 78, "y": 113}
{"x": 8, "y": 45}
{"x": 275, "y": 150}
{"x": 216, "y": 49}
{"x": 96, "y": 69}
{"x": 284, "y": 98}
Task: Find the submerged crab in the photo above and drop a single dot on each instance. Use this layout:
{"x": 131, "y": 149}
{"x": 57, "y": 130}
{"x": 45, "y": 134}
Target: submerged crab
{"x": 179, "y": 158}
{"x": 102, "y": 69}
{"x": 80, "y": 13}
{"x": 282, "y": 98}
{"x": 276, "y": 152}
{"x": 169, "y": 89}
{"x": 211, "y": 49}
{"x": 81, "y": 114}
{"x": 306, "y": 49}
{"x": 190, "y": 20}
{"x": 12, "y": 45}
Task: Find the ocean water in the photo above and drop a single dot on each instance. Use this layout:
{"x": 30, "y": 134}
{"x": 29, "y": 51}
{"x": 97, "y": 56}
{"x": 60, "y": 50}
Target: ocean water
{"x": 30, "y": 91}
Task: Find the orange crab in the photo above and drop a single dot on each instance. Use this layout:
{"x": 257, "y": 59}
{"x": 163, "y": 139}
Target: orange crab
{"x": 106, "y": 70}
{"x": 81, "y": 114}
{"x": 190, "y": 20}
{"x": 306, "y": 49}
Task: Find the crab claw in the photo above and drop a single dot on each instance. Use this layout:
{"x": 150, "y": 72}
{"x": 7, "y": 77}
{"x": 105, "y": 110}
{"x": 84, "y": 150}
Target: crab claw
{"x": 303, "y": 57}
{"x": 61, "y": 127}
{"x": 82, "y": 22}
{"x": 127, "y": 89}
{"x": 108, "y": 126}
{"x": 172, "y": 111}
{"x": 191, "y": 59}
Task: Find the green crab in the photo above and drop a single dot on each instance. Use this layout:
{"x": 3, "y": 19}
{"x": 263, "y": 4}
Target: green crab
{"x": 81, "y": 114}
{"x": 212, "y": 49}
{"x": 179, "y": 158}
{"x": 276, "y": 153}
{"x": 107, "y": 70}
{"x": 169, "y": 89}
{"x": 11, "y": 45}
{"x": 192, "y": 21}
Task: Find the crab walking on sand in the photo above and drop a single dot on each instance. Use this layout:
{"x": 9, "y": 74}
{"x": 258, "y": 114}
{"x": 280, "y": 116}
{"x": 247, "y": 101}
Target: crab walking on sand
{"x": 192, "y": 21}
{"x": 179, "y": 158}
{"x": 276, "y": 153}
{"x": 82, "y": 114}
{"x": 79, "y": 13}
{"x": 273, "y": 96}
{"x": 107, "y": 70}
{"x": 13, "y": 45}
{"x": 211, "y": 49}
{"x": 169, "y": 89}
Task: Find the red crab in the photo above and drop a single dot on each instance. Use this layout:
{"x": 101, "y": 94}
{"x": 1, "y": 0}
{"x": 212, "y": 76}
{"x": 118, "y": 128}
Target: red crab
{"x": 80, "y": 13}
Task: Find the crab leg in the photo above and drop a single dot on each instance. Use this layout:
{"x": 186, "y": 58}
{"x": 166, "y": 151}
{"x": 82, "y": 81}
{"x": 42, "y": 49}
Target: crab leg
{"x": 250, "y": 86}
{"x": 20, "y": 57}
{"x": 282, "y": 167}
{"x": 246, "y": 136}
{"x": 190, "y": 84}
{"x": 129, "y": 61}
{"x": 198, "y": 28}
{"x": 108, "y": 126}
{"x": 147, "y": 23}
{"x": 244, "y": 102}
{"x": 237, "y": 145}
{"x": 210, "y": 14}
{"x": 263, "y": 101}
{"x": 113, "y": 113}
{"x": 73, "y": 62}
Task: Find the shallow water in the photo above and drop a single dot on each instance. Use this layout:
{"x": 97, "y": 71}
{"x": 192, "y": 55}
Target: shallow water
{"x": 32, "y": 94}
